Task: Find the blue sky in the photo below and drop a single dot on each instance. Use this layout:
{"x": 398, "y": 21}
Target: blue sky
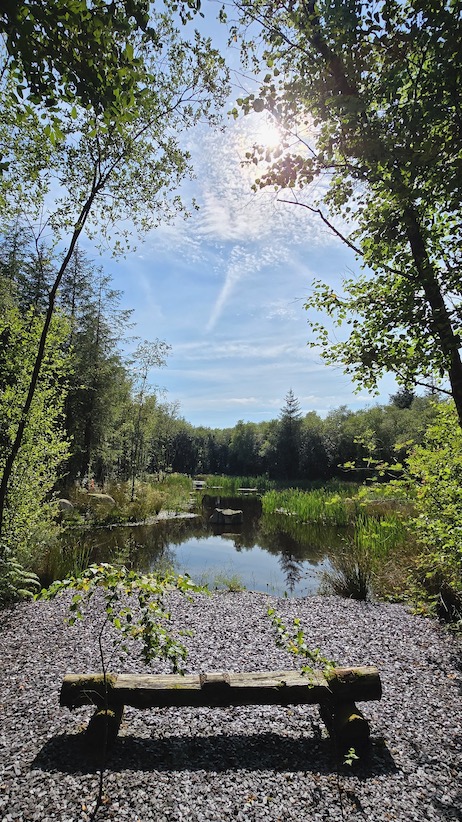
{"x": 226, "y": 290}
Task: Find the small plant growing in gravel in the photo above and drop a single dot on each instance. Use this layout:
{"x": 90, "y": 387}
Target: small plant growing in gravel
{"x": 117, "y": 588}
{"x": 133, "y": 604}
{"x": 350, "y": 757}
{"x": 293, "y": 640}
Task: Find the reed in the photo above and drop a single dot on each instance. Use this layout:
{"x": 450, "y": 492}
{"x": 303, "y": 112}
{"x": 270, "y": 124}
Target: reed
{"x": 368, "y": 562}
{"x": 379, "y": 535}
{"x": 64, "y": 560}
{"x": 350, "y": 575}
{"x": 319, "y": 505}
{"x": 230, "y": 486}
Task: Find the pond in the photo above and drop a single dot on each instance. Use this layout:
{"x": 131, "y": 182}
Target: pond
{"x": 270, "y": 553}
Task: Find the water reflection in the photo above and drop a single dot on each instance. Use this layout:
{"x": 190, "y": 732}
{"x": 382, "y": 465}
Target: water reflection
{"x": 271, "y": 553}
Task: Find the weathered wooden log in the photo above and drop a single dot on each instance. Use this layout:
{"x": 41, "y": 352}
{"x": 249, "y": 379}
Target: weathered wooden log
{"x": 335, "y": 691}
{"x": 86, "y": 689}
{"x": 262, "y": 688}
{"x": 350, "y": 728}
{"x": 360, "y": 684}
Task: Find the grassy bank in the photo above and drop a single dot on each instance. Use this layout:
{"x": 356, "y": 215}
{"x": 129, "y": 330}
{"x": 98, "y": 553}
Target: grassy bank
{"x": 378, "y": 548}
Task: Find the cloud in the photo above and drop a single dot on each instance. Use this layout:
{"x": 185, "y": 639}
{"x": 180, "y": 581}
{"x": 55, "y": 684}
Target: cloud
{"x": 281, "y": 309}
{"x": 237, "y": 235}
{"x": 243, "y": 265}
{"x": 246, "y": 350}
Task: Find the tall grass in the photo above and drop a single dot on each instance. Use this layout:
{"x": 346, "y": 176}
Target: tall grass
{"x": 319, "y": 505}
{"x": 176, "y": 491}
{"x": 230, "y": 486}
{"x": 62, "y": 560}
{"x": 172, "y": 493}
{"x": 375, "y": 536}
{"x": 370, "y": 560}
{"x": 380, "y": 536}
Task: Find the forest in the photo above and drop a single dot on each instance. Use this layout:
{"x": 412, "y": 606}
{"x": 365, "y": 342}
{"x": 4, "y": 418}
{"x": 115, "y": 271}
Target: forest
{"x": 83, "y": 136}
{"x": 98, "y": 423}
{"x": 98, "y": 102}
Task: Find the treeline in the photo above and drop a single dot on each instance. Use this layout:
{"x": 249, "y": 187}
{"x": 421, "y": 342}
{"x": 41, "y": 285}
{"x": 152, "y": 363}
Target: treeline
{"x": 95, "y": 417}
{"x": 93, "y": 414}
{"x": 305, "y": 447}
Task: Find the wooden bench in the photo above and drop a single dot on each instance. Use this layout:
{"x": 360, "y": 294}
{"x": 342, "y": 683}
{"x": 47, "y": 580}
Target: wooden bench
{"x": 336, "y": 692}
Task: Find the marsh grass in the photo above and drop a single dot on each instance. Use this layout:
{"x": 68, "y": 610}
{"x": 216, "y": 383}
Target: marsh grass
{"x": 64, "y": 560}
{"x": 373, "y": 559}
{"x": 176, "y": 491}
{"x": 171, "y": 492}
{"x": 220, "y": 580}
{"x": 350, "y": 576}
{"x": 230, "y": 486}
{"x": 376, "y": 536}
{"x": 321, "y": 505}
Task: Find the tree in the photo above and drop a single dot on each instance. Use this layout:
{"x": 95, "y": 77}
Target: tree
{"x": 110, "y": 161}
{"x": 244, "y": 450}
{"x": 100, "y": 384}
{"x": 402, "y": 398}
{"x": 314, "y": 463}
{"x": 62, "y": 52}
{"x": 434, "y": 471}
{"x": 148, "y": 355}
{"x": 44, "y": 445}
{"x": 377, "y": 88}
{"x": 288, "y": 438}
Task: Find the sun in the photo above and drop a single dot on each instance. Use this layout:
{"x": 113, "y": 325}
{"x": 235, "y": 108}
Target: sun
{"x": 267, "y": 133}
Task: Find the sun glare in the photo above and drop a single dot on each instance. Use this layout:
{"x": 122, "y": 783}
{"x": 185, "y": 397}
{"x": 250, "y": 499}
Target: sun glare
{"x": 267, "y": 134}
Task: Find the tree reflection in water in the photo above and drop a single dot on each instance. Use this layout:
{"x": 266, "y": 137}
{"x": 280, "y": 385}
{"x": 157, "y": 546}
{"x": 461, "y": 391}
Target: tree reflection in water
{"x": 295, "y": 552}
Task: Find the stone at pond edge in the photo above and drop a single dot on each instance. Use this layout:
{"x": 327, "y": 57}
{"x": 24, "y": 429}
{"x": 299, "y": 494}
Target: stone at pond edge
{"x": 222, "y": 516}
{"x": 65, "y": 505}
{"x": 105, "y": 499}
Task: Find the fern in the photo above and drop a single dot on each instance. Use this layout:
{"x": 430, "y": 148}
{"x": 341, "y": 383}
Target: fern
{"x": 16, "y": 582}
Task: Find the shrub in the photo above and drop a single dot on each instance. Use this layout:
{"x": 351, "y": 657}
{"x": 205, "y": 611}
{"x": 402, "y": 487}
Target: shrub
{"x": 435, "y": 469}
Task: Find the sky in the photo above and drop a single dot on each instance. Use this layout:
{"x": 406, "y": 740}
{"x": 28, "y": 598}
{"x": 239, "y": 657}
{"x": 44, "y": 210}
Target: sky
{"x": 226, "y": 290}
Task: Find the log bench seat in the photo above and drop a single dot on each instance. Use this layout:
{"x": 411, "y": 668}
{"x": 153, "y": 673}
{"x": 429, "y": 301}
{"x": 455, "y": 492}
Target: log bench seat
{"x": 336, "y": 692}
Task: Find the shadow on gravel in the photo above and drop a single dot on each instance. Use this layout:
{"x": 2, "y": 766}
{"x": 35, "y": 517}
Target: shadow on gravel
{"x": 254, "y": 752}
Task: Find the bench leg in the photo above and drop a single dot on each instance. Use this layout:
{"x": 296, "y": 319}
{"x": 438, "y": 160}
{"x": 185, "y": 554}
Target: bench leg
{"x": 103, "y": 728}
{"x": 346, "y": 725}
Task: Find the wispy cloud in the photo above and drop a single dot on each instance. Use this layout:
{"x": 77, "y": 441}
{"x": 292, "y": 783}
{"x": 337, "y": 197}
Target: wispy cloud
{"x": 244, "y": 264}
{"x": 241, "y": 350}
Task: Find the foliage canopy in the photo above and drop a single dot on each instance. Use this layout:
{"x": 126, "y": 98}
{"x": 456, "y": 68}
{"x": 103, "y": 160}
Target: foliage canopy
{"x": 369, "y": 96}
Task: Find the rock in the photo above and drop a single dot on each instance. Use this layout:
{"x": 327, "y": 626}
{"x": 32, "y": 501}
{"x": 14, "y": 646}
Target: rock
{"x": 223, "y": 516}
{"x": 105, "y": 499}
{"x": 65, "y": 505}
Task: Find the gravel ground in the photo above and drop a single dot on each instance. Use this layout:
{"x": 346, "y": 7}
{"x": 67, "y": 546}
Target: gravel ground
{"x": 253, "y": 763}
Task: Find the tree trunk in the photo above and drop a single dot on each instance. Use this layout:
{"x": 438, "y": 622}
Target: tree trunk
{"x": 16, "y": 445}
{"x": 441, "y": 321}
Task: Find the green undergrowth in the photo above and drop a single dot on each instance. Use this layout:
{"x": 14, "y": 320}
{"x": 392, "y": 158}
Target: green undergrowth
{"x": 230, "y": 486}
{"x": 170, "y": 493}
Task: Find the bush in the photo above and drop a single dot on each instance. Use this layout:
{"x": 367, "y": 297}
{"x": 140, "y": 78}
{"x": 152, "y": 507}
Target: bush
{"x": 435, "y": 470}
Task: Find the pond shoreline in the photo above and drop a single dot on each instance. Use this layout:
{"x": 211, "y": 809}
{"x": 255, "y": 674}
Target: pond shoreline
{"x": 261, "y": 764}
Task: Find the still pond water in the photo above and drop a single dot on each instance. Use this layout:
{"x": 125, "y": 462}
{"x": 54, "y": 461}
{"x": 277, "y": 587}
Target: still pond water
{"x": 269, "y": 553}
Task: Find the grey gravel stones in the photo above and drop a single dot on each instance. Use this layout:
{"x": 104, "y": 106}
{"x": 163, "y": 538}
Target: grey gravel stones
{"x": 266, "y": 764}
